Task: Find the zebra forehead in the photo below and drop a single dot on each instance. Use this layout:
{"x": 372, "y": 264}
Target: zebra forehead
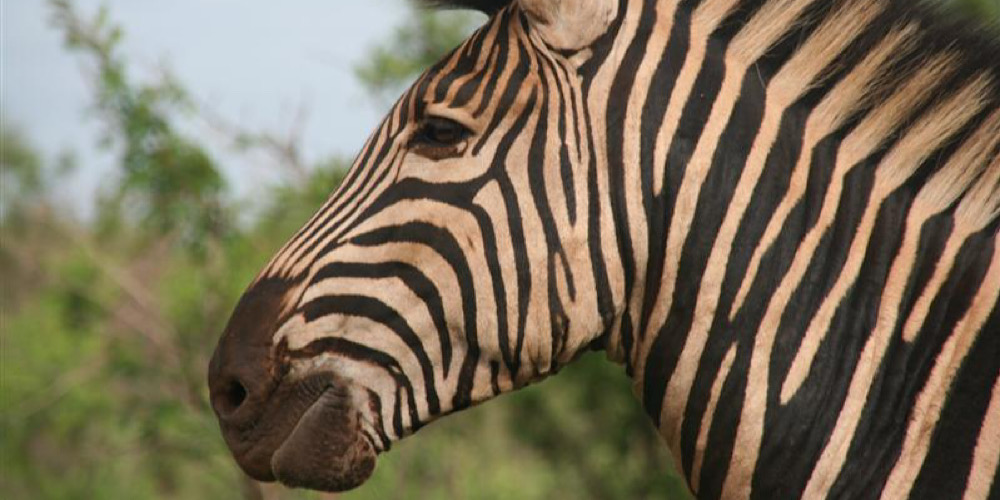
{"x": 487, "y": 7}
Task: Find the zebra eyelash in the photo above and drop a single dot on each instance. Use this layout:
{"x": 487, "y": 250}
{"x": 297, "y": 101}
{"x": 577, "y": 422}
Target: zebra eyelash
{"x": 437, "y": 138}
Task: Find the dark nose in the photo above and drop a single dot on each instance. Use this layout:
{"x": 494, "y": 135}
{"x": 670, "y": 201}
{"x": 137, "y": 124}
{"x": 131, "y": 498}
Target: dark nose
{"x": 243, "y": 370}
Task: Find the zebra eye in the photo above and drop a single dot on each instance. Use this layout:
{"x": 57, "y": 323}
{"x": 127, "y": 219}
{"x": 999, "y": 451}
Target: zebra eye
{"x": 439, "y": 137}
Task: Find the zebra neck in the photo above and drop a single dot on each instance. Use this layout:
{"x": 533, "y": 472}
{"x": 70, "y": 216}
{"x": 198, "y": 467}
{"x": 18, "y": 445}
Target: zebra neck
{"x": 763, "y": 154}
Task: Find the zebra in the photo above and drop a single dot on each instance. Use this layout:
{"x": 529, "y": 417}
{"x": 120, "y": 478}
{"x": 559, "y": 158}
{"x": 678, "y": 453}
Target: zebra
{"x": 781, "y": 217}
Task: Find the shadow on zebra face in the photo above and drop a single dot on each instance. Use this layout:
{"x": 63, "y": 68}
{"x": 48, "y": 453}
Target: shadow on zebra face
{"x": 443, "y": 271}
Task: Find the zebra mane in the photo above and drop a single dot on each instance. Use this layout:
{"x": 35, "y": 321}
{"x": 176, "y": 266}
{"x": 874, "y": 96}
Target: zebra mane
{"x": 980, "y": 40}
{"x": 488, "y": 7}
{"x": 969, "y": 48}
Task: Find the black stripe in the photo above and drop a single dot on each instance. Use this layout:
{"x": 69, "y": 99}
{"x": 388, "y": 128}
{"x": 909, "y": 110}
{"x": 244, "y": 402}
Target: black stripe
{"x": 358, "y": 352}
{"x": 664, "y": 353}
{"x": 945, "y": 471}
{"x": 443, "y": 242}
{"x": 714, "y": 201}
{"x": 413, "y": 278}
{"x": 617, "y": 108}
{"x": 382, "y": 313}
{"x": 879, "y": 438}
{"x": 522, "y": 265}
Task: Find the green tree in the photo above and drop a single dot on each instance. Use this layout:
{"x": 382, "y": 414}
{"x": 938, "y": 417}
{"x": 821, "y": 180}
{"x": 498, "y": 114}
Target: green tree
{"x": 987, "y": 11}
{"x": 418, "y": 43}
{"x": 20, "y": 166}
{"x": 168, "y": 182}
{"x": 21, "y": 182}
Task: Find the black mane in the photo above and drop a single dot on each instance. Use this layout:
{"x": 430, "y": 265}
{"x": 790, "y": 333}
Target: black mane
{"x": 945, "y": 29}
{"x": 488, "y": 7}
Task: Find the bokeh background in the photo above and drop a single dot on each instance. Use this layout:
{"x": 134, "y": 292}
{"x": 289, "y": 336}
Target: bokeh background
{"x": 154, "y": 155}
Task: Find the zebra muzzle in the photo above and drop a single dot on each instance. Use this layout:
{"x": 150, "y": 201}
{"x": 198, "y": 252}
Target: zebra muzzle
{"x": 303, "y": 433}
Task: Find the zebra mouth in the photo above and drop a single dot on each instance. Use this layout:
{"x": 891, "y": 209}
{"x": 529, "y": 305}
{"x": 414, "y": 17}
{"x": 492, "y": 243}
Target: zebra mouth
{"x": 326, "y": 449}
{"x": 308, "y": 435}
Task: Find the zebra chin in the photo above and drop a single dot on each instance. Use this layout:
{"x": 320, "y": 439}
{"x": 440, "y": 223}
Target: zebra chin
{"x": 308, "y": 434}
{"x": 326, "y": 450}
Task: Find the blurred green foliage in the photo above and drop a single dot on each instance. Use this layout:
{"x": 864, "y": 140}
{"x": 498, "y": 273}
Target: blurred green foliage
{"x": 168, "y": 182}
{"x": 415, "y": 46}
{"x": 987, "y": 11}
{"x": 22, "y": 167}
{"x": 106, "y": 326}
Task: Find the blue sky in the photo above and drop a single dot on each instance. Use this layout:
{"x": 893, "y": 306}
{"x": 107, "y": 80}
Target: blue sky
{"x": 253, "y": 62}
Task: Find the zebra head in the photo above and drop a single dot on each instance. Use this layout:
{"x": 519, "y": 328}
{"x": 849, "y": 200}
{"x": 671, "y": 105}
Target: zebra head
{"x": 460, "y": 258}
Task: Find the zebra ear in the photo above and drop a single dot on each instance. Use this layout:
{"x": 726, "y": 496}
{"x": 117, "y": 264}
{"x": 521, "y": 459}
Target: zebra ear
{"x": 570, "y": 24}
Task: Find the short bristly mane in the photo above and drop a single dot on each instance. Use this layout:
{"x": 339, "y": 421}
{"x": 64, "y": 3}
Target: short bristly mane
{"x": 972, "y": 51}
{"x": 944, "y": 28}
{"x": 488, "y": 7}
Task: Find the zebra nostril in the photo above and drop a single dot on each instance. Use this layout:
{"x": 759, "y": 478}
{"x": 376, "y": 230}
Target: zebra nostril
{"x": 233, "y": 397}
{"x": 245, "y": 368}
